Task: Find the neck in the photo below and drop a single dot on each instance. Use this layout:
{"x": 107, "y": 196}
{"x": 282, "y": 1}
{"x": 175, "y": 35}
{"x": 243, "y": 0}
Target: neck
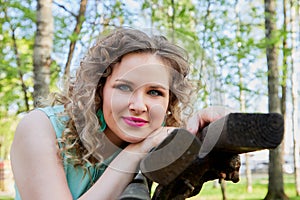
{"x": 112, "y": 143}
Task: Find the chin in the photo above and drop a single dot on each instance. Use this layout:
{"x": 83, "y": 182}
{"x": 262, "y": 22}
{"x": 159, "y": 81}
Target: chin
{"x": 134, "y": 136}
{"x": 133, "y": 140}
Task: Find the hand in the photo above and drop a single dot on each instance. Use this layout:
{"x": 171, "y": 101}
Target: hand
{"x": 153, "y": 140}
{"x": 203, "y": 117}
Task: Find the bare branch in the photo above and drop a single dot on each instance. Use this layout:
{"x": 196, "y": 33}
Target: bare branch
{"x": 63, "y": 7}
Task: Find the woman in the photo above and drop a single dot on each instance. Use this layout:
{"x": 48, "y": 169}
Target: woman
{"x": 129, "y": 93}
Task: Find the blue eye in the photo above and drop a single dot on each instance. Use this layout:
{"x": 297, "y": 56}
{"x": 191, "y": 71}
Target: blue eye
{"x": 124, "y": 88}
{"x": 155, "y": 93}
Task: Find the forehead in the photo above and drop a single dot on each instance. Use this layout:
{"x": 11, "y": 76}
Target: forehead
{"x": 142, "y": 68}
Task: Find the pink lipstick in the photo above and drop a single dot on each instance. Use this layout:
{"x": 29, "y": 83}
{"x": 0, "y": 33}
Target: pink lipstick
{"x": 135, "y": 121}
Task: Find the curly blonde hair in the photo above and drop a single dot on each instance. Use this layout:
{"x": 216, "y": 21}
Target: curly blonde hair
{"x": 81, "y": 138}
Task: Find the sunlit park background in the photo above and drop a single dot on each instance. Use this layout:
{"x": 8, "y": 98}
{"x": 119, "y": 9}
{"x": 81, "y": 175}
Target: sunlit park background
{"x": 228, "y": 43}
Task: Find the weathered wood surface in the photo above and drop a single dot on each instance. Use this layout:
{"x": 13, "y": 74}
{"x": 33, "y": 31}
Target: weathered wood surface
{"x": 189, "y": 183}
{"x": 244, "y": 132}
{"x": 138, "y": 189}
{"x": 171, "y": 157}
{"x": 183, "y": 162}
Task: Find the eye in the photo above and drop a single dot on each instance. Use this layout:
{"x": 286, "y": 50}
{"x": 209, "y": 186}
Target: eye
{"x": 155, "y": 93}
{"x": 123, "y": 87}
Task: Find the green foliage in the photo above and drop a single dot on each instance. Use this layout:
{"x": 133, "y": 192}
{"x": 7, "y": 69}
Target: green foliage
{"x": 177, "y": 20}
{"x": 8, "y": 125}
{"x": 16, "y": 57}
{"x": 16, "y": 49}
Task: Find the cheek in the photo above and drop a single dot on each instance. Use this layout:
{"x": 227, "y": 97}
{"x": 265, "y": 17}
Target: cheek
{"x": 157, "y": 114}
{"x": 113, "y": 104}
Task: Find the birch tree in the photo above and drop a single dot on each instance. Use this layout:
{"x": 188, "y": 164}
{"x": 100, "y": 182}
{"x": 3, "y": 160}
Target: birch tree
{"x": 285, "y": 68}
{"x": 42, "y": 49}
{"x": 295, "y": 128}
{"x": 294, "y": 10}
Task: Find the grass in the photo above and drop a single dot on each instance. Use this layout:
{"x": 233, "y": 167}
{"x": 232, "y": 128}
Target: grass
{"x": 237, "y": 191}
{"x": 6, "y": 198}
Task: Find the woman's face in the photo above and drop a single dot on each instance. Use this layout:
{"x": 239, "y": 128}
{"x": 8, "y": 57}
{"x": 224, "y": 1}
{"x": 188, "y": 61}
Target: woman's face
{"x": 135, "y": 97}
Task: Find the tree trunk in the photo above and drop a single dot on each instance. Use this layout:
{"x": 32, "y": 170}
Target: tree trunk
{"x": 294, "y": 17}
{"x": 295, "y": 129}
{"x": 285, "y": 69}
{"x": 42, "y": 49}
{"x": 18, "y": 60}
{"x": 76, "y": 32}
{"x": 275, "y": 187}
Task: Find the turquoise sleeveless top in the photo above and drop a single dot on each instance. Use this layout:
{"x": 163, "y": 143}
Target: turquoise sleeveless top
{"x": 79, "y": 181}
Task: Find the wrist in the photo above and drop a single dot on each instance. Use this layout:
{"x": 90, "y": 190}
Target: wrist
{"x": 138, "y": 149}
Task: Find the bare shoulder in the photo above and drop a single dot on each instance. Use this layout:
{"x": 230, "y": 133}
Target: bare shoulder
{"x": 33, "y": 133}
{"x": 36, "y": 124}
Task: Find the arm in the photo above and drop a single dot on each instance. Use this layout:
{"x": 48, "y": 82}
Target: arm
{"x": 39, "y": 173}
{"x": 122, "y": 169}
{"x": 37, "y": 169}
{"x": 117, "y": 175}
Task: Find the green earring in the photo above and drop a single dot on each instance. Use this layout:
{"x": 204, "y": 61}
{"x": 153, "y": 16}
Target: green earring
{"x": 164, "y": 122}
{"x": 102, "y": 121}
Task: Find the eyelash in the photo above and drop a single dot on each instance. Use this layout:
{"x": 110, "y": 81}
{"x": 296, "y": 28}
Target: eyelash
{"x": 120, "y": 86}
{"x": 159, "y": 93}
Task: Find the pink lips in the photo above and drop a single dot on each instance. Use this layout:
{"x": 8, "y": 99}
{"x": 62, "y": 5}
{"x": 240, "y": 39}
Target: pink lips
{"x": 135, "y": 121}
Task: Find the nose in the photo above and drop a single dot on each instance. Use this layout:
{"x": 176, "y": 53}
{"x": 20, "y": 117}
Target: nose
{"x": 137, "y": 103}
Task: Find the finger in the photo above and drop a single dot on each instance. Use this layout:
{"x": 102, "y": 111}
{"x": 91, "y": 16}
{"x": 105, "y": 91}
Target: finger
{"x": 213, "y": 113}
{"x": 193, "y": 124}
{"x": 159, "y": 135}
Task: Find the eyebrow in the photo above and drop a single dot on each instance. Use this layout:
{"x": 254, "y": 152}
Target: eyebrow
{"x": 158, "y": 87}
{"x": 154, "y": 86}
{"x": 125, "y": 81}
